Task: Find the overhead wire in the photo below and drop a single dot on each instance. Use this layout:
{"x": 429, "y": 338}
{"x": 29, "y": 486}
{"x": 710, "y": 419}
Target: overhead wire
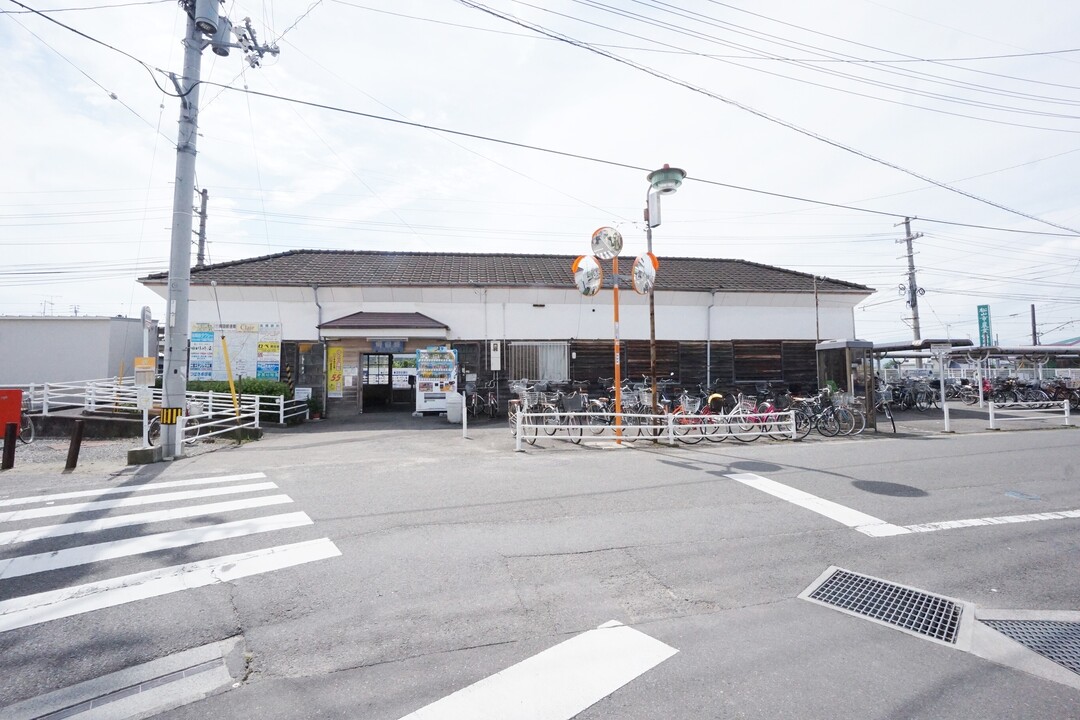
{"x": 763, "y": 115}
{"x": 627, "y": 166}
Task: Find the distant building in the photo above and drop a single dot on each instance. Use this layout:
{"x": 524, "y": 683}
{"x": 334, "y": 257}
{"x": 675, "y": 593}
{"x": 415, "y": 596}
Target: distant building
{"x": 520, "y": 316}
{"x": 40, "y": 349}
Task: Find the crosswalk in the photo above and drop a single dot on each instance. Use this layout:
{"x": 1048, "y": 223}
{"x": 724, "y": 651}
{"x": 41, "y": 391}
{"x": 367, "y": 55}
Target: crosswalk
{"x": 37, "y": 545}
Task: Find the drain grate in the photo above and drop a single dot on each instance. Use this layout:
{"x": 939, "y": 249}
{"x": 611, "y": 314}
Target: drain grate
{"x": 912, "y": 610}
{"x": 1055, "y": 640}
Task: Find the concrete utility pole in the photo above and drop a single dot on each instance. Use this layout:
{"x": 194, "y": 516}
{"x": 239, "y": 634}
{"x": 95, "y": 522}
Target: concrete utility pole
{"x": 200, "y": 258}
{"x": 913, "y": 289}
{"x": 1034, "y": 332}
{"x": 204, "y": 27}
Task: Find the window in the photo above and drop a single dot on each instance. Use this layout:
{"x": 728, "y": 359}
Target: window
{"x": 539, "y": 360}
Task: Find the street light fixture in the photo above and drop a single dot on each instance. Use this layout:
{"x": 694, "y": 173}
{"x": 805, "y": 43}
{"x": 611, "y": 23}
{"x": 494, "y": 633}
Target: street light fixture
{"x": 664, "y": 181}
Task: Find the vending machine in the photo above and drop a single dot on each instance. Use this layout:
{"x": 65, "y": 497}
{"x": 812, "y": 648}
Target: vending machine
{"x": 436, "y": 378}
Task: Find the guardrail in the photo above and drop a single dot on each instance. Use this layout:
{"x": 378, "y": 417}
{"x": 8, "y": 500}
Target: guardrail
{"x": 122, "y": 395}
{"x": 669, "y": 427}
{"x": 1031, "y": 410}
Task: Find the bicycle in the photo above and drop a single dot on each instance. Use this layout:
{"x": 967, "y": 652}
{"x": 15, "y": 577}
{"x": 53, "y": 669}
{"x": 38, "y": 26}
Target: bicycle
{"x": 883, "y": 404}
{"x": 193, "y": 410}
{"x": 477, "y": 403}
{"x": 26, "y": 427}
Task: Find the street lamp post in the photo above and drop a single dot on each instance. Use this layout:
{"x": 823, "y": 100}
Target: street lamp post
{"x": 664, "y": 181}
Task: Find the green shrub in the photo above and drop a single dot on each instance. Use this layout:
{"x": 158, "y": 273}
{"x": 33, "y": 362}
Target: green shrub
{"x": 244, "y": 386}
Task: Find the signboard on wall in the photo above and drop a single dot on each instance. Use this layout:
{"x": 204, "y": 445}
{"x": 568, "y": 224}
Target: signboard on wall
{"x": 335, "y": 372}
{"x": 254, "y": 350}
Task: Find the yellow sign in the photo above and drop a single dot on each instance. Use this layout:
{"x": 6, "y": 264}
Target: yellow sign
{"x": 335, "y": 372}
{"x": 169, "y": 416}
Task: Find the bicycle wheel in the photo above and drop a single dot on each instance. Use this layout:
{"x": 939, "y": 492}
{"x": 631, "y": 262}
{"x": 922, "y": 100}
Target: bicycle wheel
{"x": 530, "y": 426}
{"x": 860, "y": 421}
{"x": 153, "y": 431}
{"x": 551, "y": 420}
{"x": 715, "y": 427}
{"x": 598, "y": 417}
{"x": 804, "y": 423}
{"x": 746, "y": 426}
{"x": 573, "y": 429}
{"x": 512, "y": 410}
{"x": 887, "y": 411}
{"x": 687, "y": 430}
{"x": 26, "y": 429}
{"x": 924, "y": 400}
{"x": 827, "y": 423}
{"x": 492, "y": 406}
{"x": 845, "y": 419}
{"x": 773, "y": 422}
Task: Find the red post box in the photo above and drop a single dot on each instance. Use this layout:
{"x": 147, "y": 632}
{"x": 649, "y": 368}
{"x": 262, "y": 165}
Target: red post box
{"x": 10, "y": 407}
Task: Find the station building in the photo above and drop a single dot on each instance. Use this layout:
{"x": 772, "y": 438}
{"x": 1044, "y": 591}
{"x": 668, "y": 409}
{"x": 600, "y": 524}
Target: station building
{"x": 717, "y": 321}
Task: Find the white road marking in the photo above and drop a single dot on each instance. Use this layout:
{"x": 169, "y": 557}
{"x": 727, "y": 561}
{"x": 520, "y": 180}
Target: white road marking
{"x": 866, "y": 524}
{"x": 108, "y": 523}
{"x": 85, "y": 554}
{"x": 559, "y": 682}
{"x": 55, "y": 604}
{"x": 52, "y": 510}
{"x": 130, "y": 489}
{"x": 1003, "y": 520}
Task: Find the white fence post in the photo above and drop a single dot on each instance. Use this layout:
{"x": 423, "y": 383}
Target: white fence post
{"x": 281, "y": 409}
{"x": 464, "y": 419}
{"x": 945, "y": 407}
{"x": 669, "y": 421}
{"x": 45, "y": 401}
{"x": 992, "y": 426}
{"x": 258, "y": 410}
{"x": 1066, "y": 404}
{"x": 518, "y": 423}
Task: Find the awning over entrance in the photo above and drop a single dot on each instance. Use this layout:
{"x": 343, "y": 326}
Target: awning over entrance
{"x": 385, "y": 325}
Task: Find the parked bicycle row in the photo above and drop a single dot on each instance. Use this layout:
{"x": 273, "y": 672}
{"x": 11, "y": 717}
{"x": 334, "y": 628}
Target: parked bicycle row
{"x": 686, "y": 416}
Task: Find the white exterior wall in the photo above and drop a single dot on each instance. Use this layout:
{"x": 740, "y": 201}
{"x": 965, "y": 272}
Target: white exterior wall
{"x": 542, "y": 313}
{"x": 61, "y": 349}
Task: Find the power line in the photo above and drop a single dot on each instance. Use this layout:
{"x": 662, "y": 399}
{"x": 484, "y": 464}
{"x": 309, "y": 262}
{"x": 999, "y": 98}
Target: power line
{"x": 627, "y": 166}
{"x": 90, "y": 7}
{"x": 761, "y": 114}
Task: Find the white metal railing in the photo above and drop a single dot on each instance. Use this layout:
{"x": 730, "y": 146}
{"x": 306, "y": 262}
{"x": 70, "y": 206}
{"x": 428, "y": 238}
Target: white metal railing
{"x": 1029, "y": 411}
{"x": 668, "y": 427}
{"x": 122, "y": 395}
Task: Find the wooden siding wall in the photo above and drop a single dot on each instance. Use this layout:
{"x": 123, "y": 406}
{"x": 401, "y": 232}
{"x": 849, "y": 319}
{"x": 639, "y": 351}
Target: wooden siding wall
{"x": 730, "y": 363}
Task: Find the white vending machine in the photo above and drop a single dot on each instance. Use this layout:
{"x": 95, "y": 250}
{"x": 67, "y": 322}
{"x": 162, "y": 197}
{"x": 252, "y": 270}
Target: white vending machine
{"x": 436, "y": 378}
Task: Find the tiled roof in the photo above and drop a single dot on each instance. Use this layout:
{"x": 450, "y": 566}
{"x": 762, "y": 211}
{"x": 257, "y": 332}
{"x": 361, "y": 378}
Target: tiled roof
{"x": 349, "y": 268}
{"x": 378, "y": 320}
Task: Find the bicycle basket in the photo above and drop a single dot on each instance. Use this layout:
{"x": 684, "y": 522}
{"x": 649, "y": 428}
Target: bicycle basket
{"x": 532, "y": 398}
{"x": 842, "y": 399}
{"x": 573, "y": 403}
{"x": 691, "y": 405}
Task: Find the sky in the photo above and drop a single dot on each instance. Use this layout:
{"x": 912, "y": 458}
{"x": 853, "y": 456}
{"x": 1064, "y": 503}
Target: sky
{"x": 808, "y": 132}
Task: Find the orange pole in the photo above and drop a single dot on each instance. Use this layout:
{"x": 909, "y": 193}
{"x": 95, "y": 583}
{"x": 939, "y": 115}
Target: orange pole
{"x": 618, "y": 359}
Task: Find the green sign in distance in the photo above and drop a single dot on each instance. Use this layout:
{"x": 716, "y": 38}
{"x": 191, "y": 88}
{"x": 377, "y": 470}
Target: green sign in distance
{"x": 986, "y": 335}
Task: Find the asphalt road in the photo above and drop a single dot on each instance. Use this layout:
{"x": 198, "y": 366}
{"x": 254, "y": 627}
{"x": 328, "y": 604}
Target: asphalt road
{"x": 460, "y": 559}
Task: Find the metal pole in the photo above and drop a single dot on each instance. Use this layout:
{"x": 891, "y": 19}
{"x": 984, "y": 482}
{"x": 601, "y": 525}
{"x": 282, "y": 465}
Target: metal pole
{"x": 174, "y": 381}
{"x": 618, "y": 355}
{"x": 913, "y": 289}
{"x": 200, "y": 256}
{"x": 652, "y": 314}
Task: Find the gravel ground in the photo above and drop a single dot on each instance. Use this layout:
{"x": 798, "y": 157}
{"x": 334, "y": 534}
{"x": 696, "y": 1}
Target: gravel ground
{"x": 49, "y": 455}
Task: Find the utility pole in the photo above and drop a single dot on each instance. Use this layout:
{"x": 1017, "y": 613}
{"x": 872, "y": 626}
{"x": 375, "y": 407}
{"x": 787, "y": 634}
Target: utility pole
{"x": 1034, "y": 332}
{"x": 200, "y": 258}
{"x": 913, "y": 290}
{"x": 204, "y": 27}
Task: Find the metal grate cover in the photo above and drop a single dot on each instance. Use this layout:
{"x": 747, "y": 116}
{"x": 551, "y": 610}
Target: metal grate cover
{"x": 912, "y": 610}
{"x": 1055, "y": 640}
